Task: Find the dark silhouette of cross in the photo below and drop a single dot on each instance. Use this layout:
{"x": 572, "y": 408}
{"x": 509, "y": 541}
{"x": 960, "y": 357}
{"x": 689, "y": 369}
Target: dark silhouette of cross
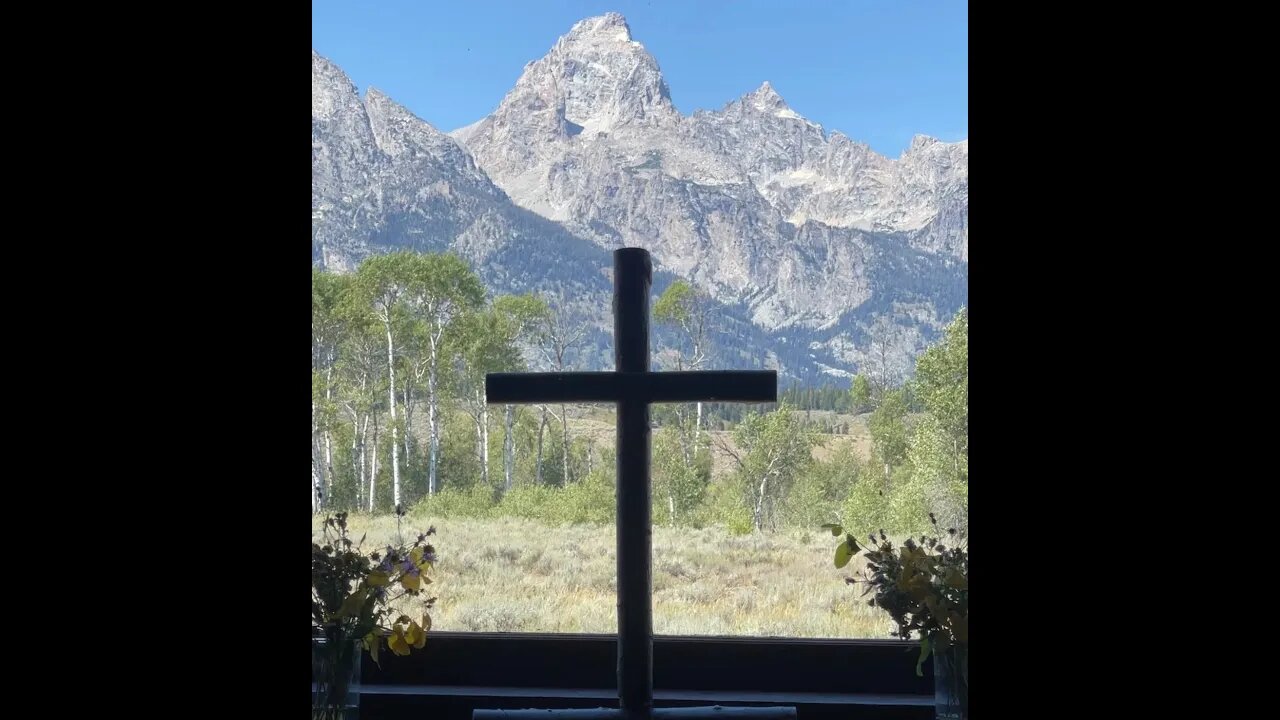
{"x": 634, "y": 388}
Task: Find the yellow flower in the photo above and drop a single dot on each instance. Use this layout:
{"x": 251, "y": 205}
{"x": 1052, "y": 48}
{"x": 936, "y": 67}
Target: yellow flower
{"x": 413, "y": 572}
{"x": 397, "y": 641}
{"x": 407, "y": 634}
{"x": 413, "y": 578}
{"x": 416, "y": 636}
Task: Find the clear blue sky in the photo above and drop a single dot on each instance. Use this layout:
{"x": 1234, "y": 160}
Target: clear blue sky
{"x": 880, "y": 71}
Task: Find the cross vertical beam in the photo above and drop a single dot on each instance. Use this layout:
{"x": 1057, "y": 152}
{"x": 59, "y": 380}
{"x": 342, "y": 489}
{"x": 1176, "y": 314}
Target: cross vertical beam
{"x": 634, "y": 388}
{"x": 632, "y": 277}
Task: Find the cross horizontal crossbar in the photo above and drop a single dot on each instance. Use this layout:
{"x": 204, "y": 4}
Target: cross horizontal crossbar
{"x": 738, "y": 386}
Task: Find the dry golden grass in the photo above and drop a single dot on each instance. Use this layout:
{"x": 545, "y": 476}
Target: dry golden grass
{"x": 520, "y": 576}
{"x": 510, "y": 575}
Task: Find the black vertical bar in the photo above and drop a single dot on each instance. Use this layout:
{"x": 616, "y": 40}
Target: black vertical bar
{"x": 632, "y": 276}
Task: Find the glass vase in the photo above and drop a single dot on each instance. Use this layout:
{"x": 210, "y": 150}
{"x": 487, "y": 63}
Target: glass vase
{"x": 335, "y": 678}
{"x": 951, "y": 683}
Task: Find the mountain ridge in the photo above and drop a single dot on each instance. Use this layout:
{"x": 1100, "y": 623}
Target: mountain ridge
{"x": 814, "y": 246}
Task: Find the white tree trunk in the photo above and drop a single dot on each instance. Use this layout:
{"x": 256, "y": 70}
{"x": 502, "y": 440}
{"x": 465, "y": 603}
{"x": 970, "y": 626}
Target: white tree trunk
{"x": 328, "y": 463}
{"x": 564, "y": 439}
{"x": 315, "y": 487}
{"x": 508, "y": 449}
{"x": 484, "y": 438}
{"x": 758, "y": 515}
{"x": 476, "y": 420}
{"x": 373, "y": 466}
{"x": 433, "y": 419}
{"x": 408, "y": 416}
{"x": 757, "y": 518}
{"x": 683, "y": 432}
{"x": 391, "y": 401}
{"x": 356, "y": 473}
{"x": 328, "y": 434}
{"x": 542, "y": 428}
{"x": 317, "y": 474}
{"x": 697, "y": 430}
{"x": 364, "y": 456}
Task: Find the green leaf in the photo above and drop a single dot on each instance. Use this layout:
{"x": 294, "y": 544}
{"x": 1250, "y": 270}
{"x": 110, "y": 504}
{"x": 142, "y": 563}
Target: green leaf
{"x": 924, "y": 655}
{"x": 853, "y": 544}
{"x": 843, "y": 554}
{"x": 834, "y": 528}
{"x": 352, "y": 604}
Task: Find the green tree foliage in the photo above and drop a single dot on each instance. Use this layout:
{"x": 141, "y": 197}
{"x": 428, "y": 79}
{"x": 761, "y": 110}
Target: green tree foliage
{"x": 942, "y": 384}
{"x": 420, "y": 324}
{"x": 521, "y": 315}
{"x": 482, "y": 342}
{"x": 860, "y": 394}
{"x": 678, "y": 485}
{"x": 682, "y": 305}
{"x": 775, "y": 450}
{"x": 924, "y": 456}
{"x": 819, "y": 493}
{"x": 380, "y": 282}
{"x": 935, "y": 482}
{"x": 889, "y": 431}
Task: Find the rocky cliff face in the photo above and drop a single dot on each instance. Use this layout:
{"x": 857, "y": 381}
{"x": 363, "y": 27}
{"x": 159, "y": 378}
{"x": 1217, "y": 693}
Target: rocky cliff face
{"x": 815, "y": 246}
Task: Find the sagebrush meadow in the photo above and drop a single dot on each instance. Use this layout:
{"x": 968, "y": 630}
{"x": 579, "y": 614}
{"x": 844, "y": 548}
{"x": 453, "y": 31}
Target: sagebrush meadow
{"x": 524, "y": 497}
{"x": 512, "y": 575}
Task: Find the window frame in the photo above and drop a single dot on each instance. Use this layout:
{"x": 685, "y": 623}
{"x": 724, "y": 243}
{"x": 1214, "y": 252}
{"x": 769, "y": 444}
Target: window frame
{"x": 458, "y": 672}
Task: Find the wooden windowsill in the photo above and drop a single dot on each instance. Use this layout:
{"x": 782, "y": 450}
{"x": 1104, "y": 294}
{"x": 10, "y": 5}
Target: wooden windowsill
{"x": 606, "y": 694}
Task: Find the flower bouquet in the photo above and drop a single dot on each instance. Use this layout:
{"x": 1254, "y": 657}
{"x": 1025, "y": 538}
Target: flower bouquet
{"x": 352, "y": 598}
{"x": 924, "y": 586}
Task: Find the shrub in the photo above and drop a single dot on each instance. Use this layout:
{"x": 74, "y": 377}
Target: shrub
{"x": 474, "y": 502}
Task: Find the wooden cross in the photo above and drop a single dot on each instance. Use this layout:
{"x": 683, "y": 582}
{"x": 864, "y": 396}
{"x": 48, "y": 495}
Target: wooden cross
{"x": 634, "y": 388}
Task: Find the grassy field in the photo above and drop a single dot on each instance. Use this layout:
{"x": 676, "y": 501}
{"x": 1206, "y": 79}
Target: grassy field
{"x": 509, "y": 575}
{"x": 517, "y": 576}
